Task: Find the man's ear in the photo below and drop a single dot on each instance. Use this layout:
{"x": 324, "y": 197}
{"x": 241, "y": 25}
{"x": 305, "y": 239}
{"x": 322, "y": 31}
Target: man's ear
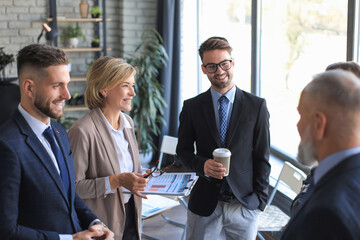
{"x": 320, "y": 125}
{"x": 28, "y": 87}
{"x": 203, "y": 69}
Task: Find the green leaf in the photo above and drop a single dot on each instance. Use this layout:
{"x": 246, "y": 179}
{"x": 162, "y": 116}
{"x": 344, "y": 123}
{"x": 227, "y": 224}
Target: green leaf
{"x": 149, "y": 105}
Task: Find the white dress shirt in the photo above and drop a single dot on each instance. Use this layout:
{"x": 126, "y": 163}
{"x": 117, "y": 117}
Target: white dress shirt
{"x": 123, "y": 151}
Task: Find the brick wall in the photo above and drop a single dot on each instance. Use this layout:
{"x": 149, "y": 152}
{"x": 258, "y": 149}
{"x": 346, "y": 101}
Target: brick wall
{"x": 21, "y": 20}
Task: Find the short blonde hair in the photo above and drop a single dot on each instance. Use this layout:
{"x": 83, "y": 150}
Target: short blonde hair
{"x": 104, "y": 74}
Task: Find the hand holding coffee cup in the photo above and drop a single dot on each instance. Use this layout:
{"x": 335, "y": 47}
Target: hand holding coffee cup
{"x": 223, "y": 155}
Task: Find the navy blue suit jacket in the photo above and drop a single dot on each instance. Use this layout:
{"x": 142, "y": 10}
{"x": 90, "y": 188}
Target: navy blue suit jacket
{"x": 33, "y": 202}
{"x": 332, "y": 210}
{"x": 248, "y": 139}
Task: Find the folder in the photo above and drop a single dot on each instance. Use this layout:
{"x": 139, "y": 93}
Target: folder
{"x": 174, "y": 184}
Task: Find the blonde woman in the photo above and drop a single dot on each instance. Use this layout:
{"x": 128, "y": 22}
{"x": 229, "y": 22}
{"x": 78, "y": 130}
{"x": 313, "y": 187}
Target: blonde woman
{"x": 105, "y": 150}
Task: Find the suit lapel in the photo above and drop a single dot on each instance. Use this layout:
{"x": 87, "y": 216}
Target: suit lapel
{"x": 346, "y": 165}
{"x": 106, "y": 139}
{"x": 209, "y": 114}
{"x": 108, "y": 144}
{"x": 66, "y": 157}
{"x": 235, "y": 116}
{"x": 38, "y": 149}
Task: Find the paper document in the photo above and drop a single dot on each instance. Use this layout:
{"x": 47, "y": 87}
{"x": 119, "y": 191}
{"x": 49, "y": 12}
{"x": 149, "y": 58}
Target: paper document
{"x": 177, "y": 184}
{"x": 156, "y": 204}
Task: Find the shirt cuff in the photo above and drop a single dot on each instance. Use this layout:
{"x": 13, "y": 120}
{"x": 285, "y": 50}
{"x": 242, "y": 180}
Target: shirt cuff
{"x": 65, "y": 237}
{"x": 97, "y": 221}
{"x": 94, "y": 221}
{"x": 108, "y": 187}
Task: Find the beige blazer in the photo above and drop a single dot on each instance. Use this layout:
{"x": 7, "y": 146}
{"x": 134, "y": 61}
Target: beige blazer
{"x": 95, "y": 158}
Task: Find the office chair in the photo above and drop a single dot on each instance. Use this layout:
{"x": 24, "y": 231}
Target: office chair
{"x": 168, "y": 146}
{"x": 272, "y": 218}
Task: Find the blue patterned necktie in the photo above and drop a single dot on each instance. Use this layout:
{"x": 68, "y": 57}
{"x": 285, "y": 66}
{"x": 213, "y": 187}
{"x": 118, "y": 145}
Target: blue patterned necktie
{"x": 64, "y": 174}
{"x": 223, "y": 102}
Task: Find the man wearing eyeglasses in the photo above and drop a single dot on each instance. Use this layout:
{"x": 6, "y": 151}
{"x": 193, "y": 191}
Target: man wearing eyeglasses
{"x": 224, "y": 117}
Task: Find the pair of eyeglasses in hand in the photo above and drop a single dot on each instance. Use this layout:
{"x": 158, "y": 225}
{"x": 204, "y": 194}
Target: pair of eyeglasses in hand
{"x": 156, "y": 172}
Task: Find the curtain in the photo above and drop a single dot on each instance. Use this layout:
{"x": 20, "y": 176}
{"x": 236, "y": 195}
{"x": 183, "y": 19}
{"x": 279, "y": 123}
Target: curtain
{"x": 168, "y": 25}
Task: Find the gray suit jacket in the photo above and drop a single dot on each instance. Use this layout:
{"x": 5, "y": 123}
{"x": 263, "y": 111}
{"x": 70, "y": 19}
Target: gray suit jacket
{"x": 95, "y": 158}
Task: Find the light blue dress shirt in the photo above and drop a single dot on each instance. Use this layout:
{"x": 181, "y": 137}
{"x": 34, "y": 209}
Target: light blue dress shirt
{"x": 38, "y": 128}
{"x": 331, "y": 161}
{"x": 230, "y": 95}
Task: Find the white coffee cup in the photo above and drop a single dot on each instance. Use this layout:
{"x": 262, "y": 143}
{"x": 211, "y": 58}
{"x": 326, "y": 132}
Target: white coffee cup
{"x": 222, "y": 155}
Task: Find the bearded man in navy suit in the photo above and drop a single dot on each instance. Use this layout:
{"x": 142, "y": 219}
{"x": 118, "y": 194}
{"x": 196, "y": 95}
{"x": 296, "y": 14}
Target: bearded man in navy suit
{"x": 37, "y": 183}
{"x": 329, "y": 128}
{"x": 225, "y": 117}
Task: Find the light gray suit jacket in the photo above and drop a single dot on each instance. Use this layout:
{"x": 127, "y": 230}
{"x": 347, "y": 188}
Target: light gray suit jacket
{"x": 95, "y": 158}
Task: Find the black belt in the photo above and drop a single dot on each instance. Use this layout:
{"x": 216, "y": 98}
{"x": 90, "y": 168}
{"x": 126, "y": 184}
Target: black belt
{"x": 226, "y": 198}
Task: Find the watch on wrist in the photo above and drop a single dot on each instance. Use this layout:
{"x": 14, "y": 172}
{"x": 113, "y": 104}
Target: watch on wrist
{"x": 100, "y": 222}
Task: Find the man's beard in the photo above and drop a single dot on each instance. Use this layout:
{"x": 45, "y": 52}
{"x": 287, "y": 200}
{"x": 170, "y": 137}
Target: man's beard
{"x": 44, "y": 107}
{"x": 306, "y": 153}
{"x": 221, "y": 85}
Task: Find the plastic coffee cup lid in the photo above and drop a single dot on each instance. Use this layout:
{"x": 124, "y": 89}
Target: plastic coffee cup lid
{"x": 221, "y": 152}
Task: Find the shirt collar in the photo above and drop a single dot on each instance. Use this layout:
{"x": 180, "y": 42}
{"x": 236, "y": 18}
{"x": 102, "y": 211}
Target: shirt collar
{"x": 125, "y": 124}
{"x": 230, "y": 95}
{"x": 35, "y": 124}
{"x": 332, "y": 160}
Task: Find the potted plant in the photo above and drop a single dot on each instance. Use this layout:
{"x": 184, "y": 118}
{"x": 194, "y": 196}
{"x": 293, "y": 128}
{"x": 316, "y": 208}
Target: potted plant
{"x": 5, "y": 59}
{"x": 95, "y": 12}
{"x": 95, "y": 42}
{"x": 72, "y": 34}
{"x": 148, "y": 108}
{"x": 66, "y": 122}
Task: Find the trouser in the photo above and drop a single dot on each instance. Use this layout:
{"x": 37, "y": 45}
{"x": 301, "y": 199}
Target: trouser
{"x": 228, "y": 221}
{"x": 130, "y": 230}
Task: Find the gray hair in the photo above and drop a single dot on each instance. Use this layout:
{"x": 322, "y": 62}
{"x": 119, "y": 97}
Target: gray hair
{"x": 337, "y": 94}
{"x": 336, "y": 88}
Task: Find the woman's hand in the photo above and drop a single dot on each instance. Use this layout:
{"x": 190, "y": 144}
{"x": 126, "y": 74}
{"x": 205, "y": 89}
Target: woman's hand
{"x": 134, "y": 182}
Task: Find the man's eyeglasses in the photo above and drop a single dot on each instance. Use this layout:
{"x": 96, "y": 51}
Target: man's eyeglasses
{"x": 224, "y": 65}
{"x": 156, "y": 172}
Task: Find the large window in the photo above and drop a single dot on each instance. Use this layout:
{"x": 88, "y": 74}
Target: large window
{"x": 299, "y": 38}
{"x": 227, "y": 18}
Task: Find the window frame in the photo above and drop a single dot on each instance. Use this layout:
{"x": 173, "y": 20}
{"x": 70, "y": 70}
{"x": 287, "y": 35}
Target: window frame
{"x": 352, "y": 54}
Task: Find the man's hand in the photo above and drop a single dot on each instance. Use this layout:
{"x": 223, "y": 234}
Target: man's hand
{"x": 98, "y": 232}
{"x": 135, "y": 182}
{"x": 214, "y": 169}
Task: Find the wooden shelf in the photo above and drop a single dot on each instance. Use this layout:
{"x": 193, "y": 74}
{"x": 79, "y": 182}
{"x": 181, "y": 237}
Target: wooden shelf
{"x": 76, "y": 108}
{"x": 79, "y": 19}
{"x": 77, "y": 78}
{"x": 90, "y": 49}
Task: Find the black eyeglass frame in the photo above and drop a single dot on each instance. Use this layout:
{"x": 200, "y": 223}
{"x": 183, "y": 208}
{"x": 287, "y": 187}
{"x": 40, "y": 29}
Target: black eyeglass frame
{"x": 162, "y": 171}
{"x": 218, "y": 65}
